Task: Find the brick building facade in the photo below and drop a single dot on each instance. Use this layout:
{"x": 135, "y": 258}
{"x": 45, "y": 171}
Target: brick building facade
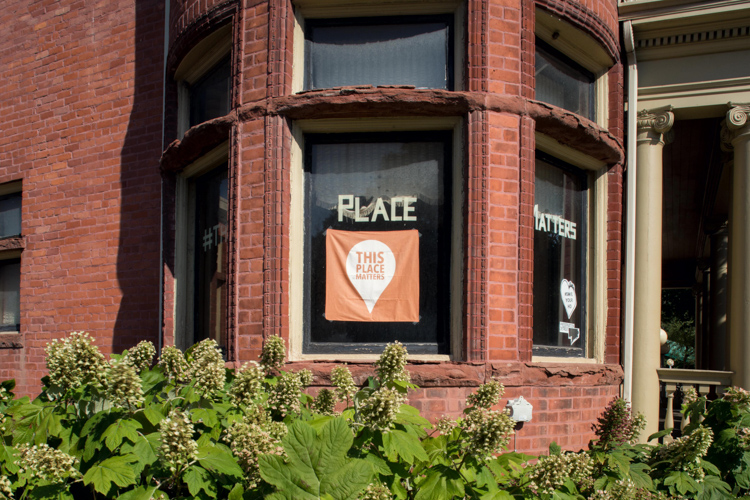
{"x": 123, "y": 122}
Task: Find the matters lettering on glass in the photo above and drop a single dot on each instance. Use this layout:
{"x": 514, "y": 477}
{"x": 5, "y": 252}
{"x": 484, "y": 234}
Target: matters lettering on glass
{"x": 401, "y": 209}
{"x": 554, "y": 224}
{"x": 212, "y": 236}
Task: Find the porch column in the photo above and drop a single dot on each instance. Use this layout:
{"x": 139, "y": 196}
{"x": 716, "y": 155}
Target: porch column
{"x": 717, "y": 303}
{"x": 653, "y": 125}
{"x": 738, "y": 126}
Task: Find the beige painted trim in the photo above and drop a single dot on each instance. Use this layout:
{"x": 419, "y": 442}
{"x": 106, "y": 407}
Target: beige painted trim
{"x": 296, "y": 224}
{"x": 364, "y": 8}
{"x": 572, "y": 42}
{"x": 696, "y": 100}
{"x": 566, "y": 153}
{"x": 680, "y": 12}
{"x": 298, "y": 53}
{"x": 596, "y": 255}
{"x": 185, "y": 240}
{"x": 11, "y": 187}
{"x": 667, "y": 51}
{"x": 601, "y": 88}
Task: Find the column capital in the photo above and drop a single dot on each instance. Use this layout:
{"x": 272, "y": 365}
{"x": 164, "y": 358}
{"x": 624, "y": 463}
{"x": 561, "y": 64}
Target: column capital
{"x": 659, "y": 120}
{"x": 736, "y": 124}
{"x": 655, "y": 125}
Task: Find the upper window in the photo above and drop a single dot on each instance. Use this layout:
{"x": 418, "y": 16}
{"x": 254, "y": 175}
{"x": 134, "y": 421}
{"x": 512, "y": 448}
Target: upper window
{"x": 406, "y": 50}
{"x": 560, "y": 239}
{"x": 10, "y": 215}
{"x": 562, "y": 82}
{"x": 10, "y": 263}
{"x": 204, "y": 80}
{"x": 209, "y": 96}
{"x": 377, "y": 242}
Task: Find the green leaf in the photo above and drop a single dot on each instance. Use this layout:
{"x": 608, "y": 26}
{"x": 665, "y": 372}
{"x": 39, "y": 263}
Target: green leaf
{"x": 236, "y": 493}
{"x": 399, "y": 443}
{"x": 554, "y": 448}
{"x": 441, "y": 482}
{"x": 660, "y": 434}
{"x": 120, "y": 430}
{"x": 112, "y": 470}
{"x": 318, "y": 464}
{"x": 197, "y": 479}
{"x": 153, "y": 415}
{"x": 639, "y": 475}
{"x": 219, "y": 460}
{"x": 140, "y": 493}
{"x": 205, "y": 416}
{"x": 682, "y": 481}
{"x": 379, "y": 466}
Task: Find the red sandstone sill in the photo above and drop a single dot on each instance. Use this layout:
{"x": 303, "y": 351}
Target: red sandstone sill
{"x": 461, "y": 374}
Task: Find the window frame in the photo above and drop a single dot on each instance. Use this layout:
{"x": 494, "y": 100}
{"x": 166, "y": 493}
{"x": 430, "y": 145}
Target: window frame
{"x": 553, "y": 53}
{"x": 584, "y": 51}
{"x": 448, "y": 19}
{"x": 354, "y": 9}
{"x": 595, "y": 262}
{"x": 297, "y": 277}
{"x": 197, "y": 63}
{"x": 12, "y": 254}
{"x": 184, "y": 276}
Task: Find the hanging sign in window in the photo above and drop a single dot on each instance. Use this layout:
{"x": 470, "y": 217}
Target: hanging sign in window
{"x": 372, "y": 275}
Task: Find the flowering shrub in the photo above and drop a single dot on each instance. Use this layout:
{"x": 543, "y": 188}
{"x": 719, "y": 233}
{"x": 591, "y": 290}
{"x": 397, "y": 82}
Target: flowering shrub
{"x": 186, "y": 427}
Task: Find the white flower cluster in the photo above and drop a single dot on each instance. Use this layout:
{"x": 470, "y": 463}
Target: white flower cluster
{"x": 273, "y": 353}
{"x": 283, "y": 398}
{"x": 743, "y": 436}
{"x": 739, "y": 397}
{"x": 685, "y": 453}
{"x": 2, "y": 424}
{"x": 487, "y": 431}
{"x": 141, "y": 355}
{"x": 48, "y": 464}
{"x": 249, "y": 440}
{"x": 124, "y": 386}
{"x": 325, "y": 402}
{"x": 178, "y": 449}
{"x": 689, "y": 395}
{"x": 247, "y": 385}
{"x": 342, "y": 380}
{"x": 379, "y": 491}
{"x": 379, "y": 410}
{"x": 487, "y": 395}
{"x": 305, "y": 377}
{"x": 445, "y": 425}
{"x": 391, "y": 366}
{"x": 74, "y": 361}
{"x": 6, "y": 492}
{"x": 4, "y": 394}
{"x": 172, "y": 361}
{"x": 207, "y": 368}
{"x": 551, "y": 472}
{"x": 624, "y": 489}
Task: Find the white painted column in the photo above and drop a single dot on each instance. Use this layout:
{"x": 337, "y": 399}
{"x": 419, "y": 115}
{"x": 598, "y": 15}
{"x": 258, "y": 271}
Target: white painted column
{"x": 738, "y": 126}
{"x": 652, "y": 127}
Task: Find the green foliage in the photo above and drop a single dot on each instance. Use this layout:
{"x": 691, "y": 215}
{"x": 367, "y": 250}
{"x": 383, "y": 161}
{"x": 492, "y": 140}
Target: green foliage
{"x": 185, "y": 427}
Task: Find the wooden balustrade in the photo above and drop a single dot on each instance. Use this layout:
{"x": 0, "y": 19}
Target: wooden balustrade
{"x": 706, "y": 382}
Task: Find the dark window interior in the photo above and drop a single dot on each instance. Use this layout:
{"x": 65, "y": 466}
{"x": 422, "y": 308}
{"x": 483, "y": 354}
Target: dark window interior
{"x": 210, "y": 256}
{"x": 560, "y": 238}
{"x": 209, "y": 96}
{"x": 385, "y": 166}
{"x": 10, "y": 215}
{"x": 10, "y": 286}
{"x": 562, "y": 82}
{"x": 414, "y": 50}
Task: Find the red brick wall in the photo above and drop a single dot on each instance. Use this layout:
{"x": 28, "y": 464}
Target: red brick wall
{"x": 81, "y": 107}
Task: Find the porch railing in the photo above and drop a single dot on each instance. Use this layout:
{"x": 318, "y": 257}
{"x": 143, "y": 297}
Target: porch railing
{"x": 710, "y": 383}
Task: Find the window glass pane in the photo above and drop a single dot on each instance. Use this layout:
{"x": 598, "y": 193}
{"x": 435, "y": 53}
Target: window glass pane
{"x": 562, "y": 83}
{"x": 209, "y": 97}
{"x": 211, "y": 241}
{"x": 559, "y": 259}
{"x": 10, "y": 215}
{"x": 377, "y": 53}
{"x": 380, "y": 183}
{"x": 10, "y": 284}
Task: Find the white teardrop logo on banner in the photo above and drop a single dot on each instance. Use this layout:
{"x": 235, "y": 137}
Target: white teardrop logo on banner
{"x": 568, "y": 295}
{"x": 370, "y": 266}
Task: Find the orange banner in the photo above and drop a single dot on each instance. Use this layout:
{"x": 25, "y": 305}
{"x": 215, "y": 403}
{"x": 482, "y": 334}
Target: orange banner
{"x": 372, "y": 275}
